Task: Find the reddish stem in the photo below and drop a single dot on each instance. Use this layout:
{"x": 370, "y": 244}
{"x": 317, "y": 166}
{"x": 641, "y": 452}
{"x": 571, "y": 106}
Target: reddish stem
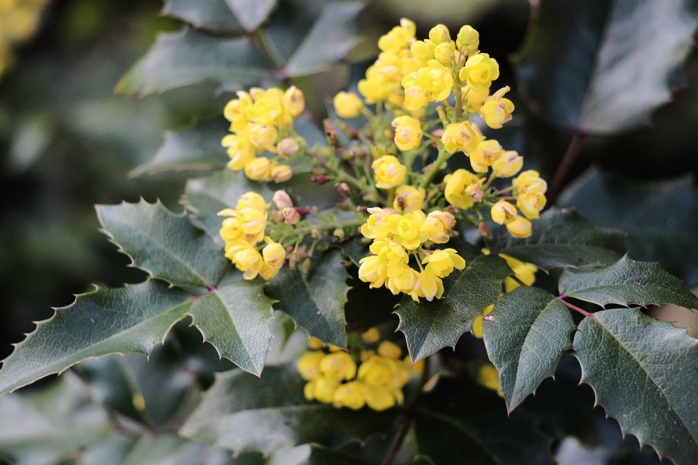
{"x": 558, "y": 181}
{"x": 573, "y": 307}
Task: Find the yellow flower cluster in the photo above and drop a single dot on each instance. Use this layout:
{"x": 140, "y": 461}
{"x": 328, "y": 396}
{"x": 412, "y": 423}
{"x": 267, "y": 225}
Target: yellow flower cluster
{"x": 523, "y": 273}
{"x": 335, "y": 378}
{"x": 529, "y": 191}
{"x": 397, "y": 237}
{"x": 18, "y": 21}
{"x": 242, "y": 230}
{"x": 262, "y": 120}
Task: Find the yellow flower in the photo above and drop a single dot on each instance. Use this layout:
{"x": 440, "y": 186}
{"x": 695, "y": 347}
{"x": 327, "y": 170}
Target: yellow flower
{"x": 376, "y": 87}
{"x": 239, "y": 150}
{"x": 347, "y": 105}
{"x": 351, "y": 395}
{"x": 439, "y": 34}
{"x": 468, "y": 40}
{"x": 527, "y": 181}
{"x": 524, "y": 272}
{"x": 376, "y": 226}
{"x": 497, "y": 110}
{"x": 474, "y": 99}
{"x": 389, "y": 172}
{"x": 338, "y": 366}
{"x": 503, "y": 212}
{"x": 231, "y": 228}
{"x": 403, "y": 281}
{"x": 371, "y": 335}
{"x": 293, "y": 101}
{"x": 442, "y": 262}
{"x": 436, "y": 79}
{"x": 416, "y": 96}
{"x": 428, "y": 285}
{"x": 398, "y": 37}
{"x": 479, "y": 71}
{"x": 287, "y": 147}
{"x": 408, "y": 132}
{"x": 274, "y": 254}
{"x": 422, "y": 51}
{"x": 463, "y": 136}
{"x": 267, "y": 106}
{"x": 378, "y": 372}
{"x": 408, "y": 199}
{"x": 456, "y": 185}
{"x": 258, "y": 169}
{"x": 445, "y": 53}
{"x": 378, "y": 398}
{"x": 519, "y": 228}
{"x": 373, "y": 270}
{"x": 488, "y": 376}
{"x": 280, "y": 173}
{"x": 245, "y": 257}
{"x": 389, "y": 350}
{"x": 308, "y": 365}
{"x": 253, "y": 222}
{"x": 407, "y": 229}
{"x": 252, "y": 200}
{"x": 268, "y": 272}
{"x": 235, "y": 111}
{"x": 321, "y": 389}
{"x": 476, "y": 327}
{"x": 486, "y": 153}
{"x": 531, "y": 203}
{"x": 508, "y": 164}
{"x": 263, "y": 137}
{"x": 315, "y": 343}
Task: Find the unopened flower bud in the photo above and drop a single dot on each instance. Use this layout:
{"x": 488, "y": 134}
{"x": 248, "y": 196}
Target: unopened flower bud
{"x": 439, "y": 34}
{"x": 281, "y": 173}
{"x": 320, "y": 179}
{"x": 294, "y": 101}
{"x": 291, "y": 216}
{"x": 338, "y": 233}
{"x": 347, "y": 105}
{"x": 258, "y": 169}
{"x": 343, "y": 189}
{"x": 520, "y": 228}
{"x": 287, "y": 147}
{"x": 445, "y": 52}
{"x": 314, "y": 233}
{"x": 468, "y": 40}
{"x": 281, "y": 199}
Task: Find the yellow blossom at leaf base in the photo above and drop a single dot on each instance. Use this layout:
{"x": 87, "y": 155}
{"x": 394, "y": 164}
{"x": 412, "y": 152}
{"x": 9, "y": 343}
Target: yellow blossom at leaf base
{"x": 456, "y": 186}
{"x": 352, "y": 395}
{"x": 389, "y": 172}
{"x": 497, "y": 110}
{"x": 308, "y": 365}
{"x": 428, "y": 286}
{"x": 347, "y": 105}
{"x": 408, "y": 199}
{"x": 442, "y": 262}
{"x": 338, "y": 366}
{"x": 524, "y": 272}
{"x": 464, "y": 136}
{"x": 315, "y": 343}
{"x": 408, "y": 132}
{"x": 520, "y": 228}
{"x": 503, "y": 212}
{"x": 476, "y": 327}
{"x": 479, "y": 71}
{"x": 245, "y": 257}
{"x": 239, "y": 149}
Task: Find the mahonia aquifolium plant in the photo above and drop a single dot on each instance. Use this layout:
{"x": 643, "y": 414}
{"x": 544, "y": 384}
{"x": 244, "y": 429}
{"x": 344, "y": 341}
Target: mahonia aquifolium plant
{"x": 417, "y": 101}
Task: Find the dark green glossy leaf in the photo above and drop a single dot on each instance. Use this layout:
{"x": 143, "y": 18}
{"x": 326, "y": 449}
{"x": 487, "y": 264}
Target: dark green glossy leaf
{"x": 104, "y": 321}
{"x": 205, "y": 197}
{"x": 281, "y": 415}
{"x": 644, "y": 375}
{"x": 50, "y": 424}
{"x": 626, "y": 282}
{"x": 166, "y": 449}
{"x": 165, "y": 245}
{"x": 431, "y": 326}
{"x": 190, "y": 57}
{"x": 316, "y": 301}
{"x": 211, "y": 15}
{"x": 333, "y": 36}
{"x": 235, "y": 319}
{"x": 251, "y": 14}
{"x": 459, "y": 422}
{"x": 196, "y": 148}
{"x": 525, "y": 337}
{"x": 588, "y": 66}
{"x": 661, "y": 217}
{"x": 562, "y": 238}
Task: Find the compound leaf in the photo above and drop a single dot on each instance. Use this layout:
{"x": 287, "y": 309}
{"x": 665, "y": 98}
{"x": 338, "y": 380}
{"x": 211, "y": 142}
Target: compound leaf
{"x": 282, "y": 416}
{"x": 166, "y": 245}
{"x": 190, "y": 57}
{"x": 104, "y": 321}
{"x": 644, "y": 374}
{"x": 585, "y": 66}
{"x": 626, "y": 282}
{"x": 235, "y": 318}
{"x": 431, "y": 326}
{"x": 210, "y": 15}
{"x": 525, "y": 336}
{"x": 315, "y": 301}
{"x": 562, "y": 238}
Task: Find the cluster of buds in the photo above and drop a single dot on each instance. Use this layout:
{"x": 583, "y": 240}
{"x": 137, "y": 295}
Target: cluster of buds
{"x": 262, "y": 121}
{"x": 398, "y": 237}
{"x": 335, "y": 377}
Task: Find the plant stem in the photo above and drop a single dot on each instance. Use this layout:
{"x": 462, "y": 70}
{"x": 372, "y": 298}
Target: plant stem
{"x": 324, "y": 227}
{"x": 558, "y": 181}
{"x": 435, "y": 167}
{"x": 573, "y": 307}
{"x": 370, "y": 192}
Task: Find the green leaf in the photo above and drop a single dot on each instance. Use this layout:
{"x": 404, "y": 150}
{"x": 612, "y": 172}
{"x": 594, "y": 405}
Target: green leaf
{"x": 585, "y": 65}
{"x": 235, "y": 319}
{"x": 431, "y": 326}
{"x": 104, "y": 321}
{"x": 190, "y": 57}
{"x": 525, "y": 337}
{"x": 316, "y": 301}
{"x": 48, "y": 425}
{"x": 281, "y": 416}
{"x": 211, "y": 15}
{"x": 561, "y": 238}
{"x": 644, "y": 375}
{"x": 165, "y": 245}
{"x": 251, "y": 14}
{"x": 196, "y": 148}
{"x": 166, "y": 449}
{"x": 626, "y": 282}
{"x": 205, "y": 197}
{"x": 333, "y": 36}
{"x": 459, "y": 422}
{"x": 661, "y": 217}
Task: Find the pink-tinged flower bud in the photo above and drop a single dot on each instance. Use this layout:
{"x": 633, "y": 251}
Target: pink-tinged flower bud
{"x": 287, "y": 147}
{"x": 293, "y": 101}
{"x": 281, "y": 173}
{"x": 281, "y": 199}
{"x": 291, "y": 215}
{"x": 258, "y": 169}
